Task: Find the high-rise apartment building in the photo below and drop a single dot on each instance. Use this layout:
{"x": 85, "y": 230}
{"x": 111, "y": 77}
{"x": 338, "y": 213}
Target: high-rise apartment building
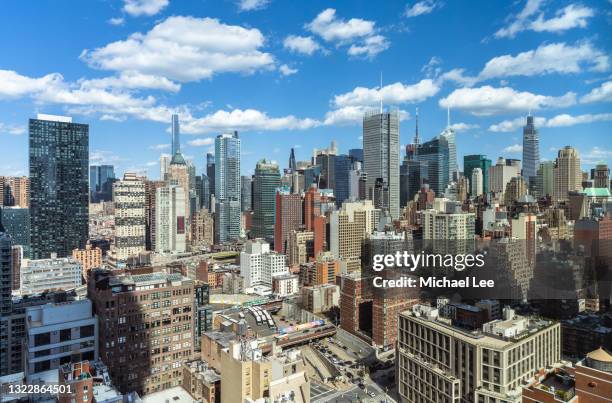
{"x": 258, "y": 264}
{"x": 601, "y": 176}
{"x": 265, "y": 183}
{"x": 164, "y": 167}
{"x": 531, "y": 151}
{"x": 246, "y": 184}
{"x": 6, "y": 273}
{"x": 150, "y": 200}
{"x": 129, "y": 199}
{"x": 476, "y": 182}
{"x": 90, "y": 258}
{"x": 146, "y": 327}
{"x": 288, "y": 217}
{"x": 451, "y": 232}
{"x": 15, "y": 191}
{"x": 227, "y": 187}
{"x": 349, "y": 226}
{"x": 210, "y": 171}
{"x": 202, "y": 229}
{"x": 437, "y": 361}
{"x": 381, "y": 158}
{"x": 59, "y": 197}
{"x": 567, "y": 173}
{"x": 500, "y": 174}
{"x": 170, "y": 220}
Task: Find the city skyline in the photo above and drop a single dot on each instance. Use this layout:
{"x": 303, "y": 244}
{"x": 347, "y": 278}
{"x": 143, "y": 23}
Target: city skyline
{"x": 550, "y": 59}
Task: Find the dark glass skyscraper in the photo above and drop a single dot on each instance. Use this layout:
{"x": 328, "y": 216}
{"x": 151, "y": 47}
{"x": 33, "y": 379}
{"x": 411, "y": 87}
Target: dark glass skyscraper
{"x": 531, "y": 151}
{"x": 210, "y": 172}
{"x": 246, "y": 183}
{"x": 16, "y": 222}
{"x": 435, "y": 153}
{"x": 357, "y": 154}
{"x": 59, "y": 162}
{"x": 343, "y": 166}
{"x": 101, "y": 178}
{"x": 265, "y": 182}
{"x": 292, "y": 162}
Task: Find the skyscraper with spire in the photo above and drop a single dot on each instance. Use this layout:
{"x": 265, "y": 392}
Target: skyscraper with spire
{"x": 531, "y": 151}
{"x": 292, "y": 162}
{"x": 176, "y": 138}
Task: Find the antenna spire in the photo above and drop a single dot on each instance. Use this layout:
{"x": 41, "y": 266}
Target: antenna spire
{"x": 416, "y": 131}
{"x": 448, "y": 116}
{"x": 380, "y": 93}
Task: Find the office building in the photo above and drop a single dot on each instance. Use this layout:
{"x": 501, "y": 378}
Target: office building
{"x": 227, "y": 187}
{"x": 436, "y": 153}
{"x": 320, "y": 298}
{"x": 265, "y": 183}
{"x": 292, "y": 162}
{"x": 453, "y": 167}
{"x": 146, "y": 331}
{"x": 258, "y": 264}
{"x": 516, "y": 188}
{"x": 285, "y": 284}
{"x": 601, "y": 176}
{"x": 16, "y": 222}
{"x": 164, "y": 167}
{"x": 325, "y": 160}
{"x": 246, "y": 184}
{"x": 101, "y": 178}
{"x": 6, "y": 272}
{"x": 343, "y": 167}
{"x": 381, "y": 158}
{"x": 150, "y": 200}
{"x": 129, "y": 200}
{"x": 531, "y": 152}
{"x": 545, "y": 179}
{"x": 437, "y": 361}
{"x": 300, "y": 247}
{"x": 288, "y": 218}
{"x": 50, "y": 275}
{"x": 59, "y": 196}
{"x": 210, "y": 171}
{"x": 477, "y": 161}
{"x": 56, "y": 333}
{"x": 567, "y": 174}
{"x": 500, "y": 174}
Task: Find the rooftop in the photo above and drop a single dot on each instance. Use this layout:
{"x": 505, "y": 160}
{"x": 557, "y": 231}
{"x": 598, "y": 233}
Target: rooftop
{"x": 173, "y": 395}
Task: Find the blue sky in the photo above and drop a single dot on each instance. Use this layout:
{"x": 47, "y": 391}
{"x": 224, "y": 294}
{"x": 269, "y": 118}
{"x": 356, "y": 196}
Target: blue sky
{"x": 287, "y": 75}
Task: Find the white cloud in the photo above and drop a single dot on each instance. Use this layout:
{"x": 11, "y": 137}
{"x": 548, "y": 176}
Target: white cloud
{"x": 396, "y": 93}
{"x": 286, "y": 70}
{"x": 571, "y": 16}
{"x": 561, "y": 120}
{"x": 595, "y": 155}
{"x": 12, "y": 129}
{"x": 370, "y": 47}
{"x": 250, "y": 5}
{"x": 360, "y": 34}
{"x": 487, "y": 100}
{"x": 132, "y": 80}
{"x": 421, "y": 8}
{"x": 546, "y": 59}
{"x": 144, "y": 7}
{"x": 513, "y": 149}
{"x": 301, "y": 44}
{"x": 104, "y": 157}
{"x": 116, "y": 21}
{"x": 201, "y": 142}
{"x": 461, "y": 127}
{"x": 13, "y": 84}
{"x": 247, "y": 119}
{"x": 159, "y": 146}
{"x": 603, "y": 93}
{"x": 353, "y": 115}
{"x": 185, "y": 49}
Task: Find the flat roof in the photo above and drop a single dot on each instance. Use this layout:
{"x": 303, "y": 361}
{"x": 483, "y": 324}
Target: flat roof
{"x": 173, "y": 395}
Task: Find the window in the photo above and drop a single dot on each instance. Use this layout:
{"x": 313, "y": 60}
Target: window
{"x": 65, "y": 334}
{"x": 87, "y": 331}
{"x": 42, "y": 339}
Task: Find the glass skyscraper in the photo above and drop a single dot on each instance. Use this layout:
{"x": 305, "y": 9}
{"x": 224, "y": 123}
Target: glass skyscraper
{"x": 265, "y": 182}
{"x": 435, "y": 153}
{"x": 453, "y": 167}
{"x": 477, "y": 161}
{"x": 381, "y": 158}
{"x": 59, "y": 163}
{"x": 531, "y": 152}
{"x": 227, "y": 187}
{"x": 16, "y": 222}
{"x": 343, "y": 166}
{"x": 101, "y": 178}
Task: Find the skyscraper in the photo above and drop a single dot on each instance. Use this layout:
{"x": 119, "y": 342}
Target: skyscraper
{"x": 292, "y": 162}
{"x": 129, "y": 198}
{"x": 343, "y": 167}
{"x": 545, "y": 179}
{"x": 288, "y": 217}
{"x": 176, "y": 135}
{"x": 531, "y": 152}
{"x": 16, "y": 222}
{"x": 567, "y": 173}
{"x": 59, "y": 164}
{"x": 6, "y": 277}
{"x": 164, "y": 164}
{"x": 435, "y": 153}
{"x": 601, "y": 176}
{"x": 381, "y": 156}
{"x": 210, "y": 172}
{"x": 227, "y": 187}
{"x": 449, "y": 134}
{"x": 101, "y": 179}
{"x": 246, "y": 183}
{"x": 477, "y": 161}
{"x": 170, "y": 220}
{"x": 325, "y": 160}
{"x": 476, "y": 182}
{"x": 265, "y": 183}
